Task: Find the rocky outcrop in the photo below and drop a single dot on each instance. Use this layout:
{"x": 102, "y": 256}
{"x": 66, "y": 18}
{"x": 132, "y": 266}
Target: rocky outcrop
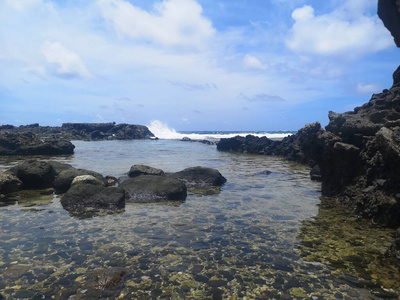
{"x": 357, "y": 156}
{"x": 152, "y": 188}
{"x": 304, "y": 147}
{"x": 48, "y": 140}
{"x": 64, "y": 180}
{"x": 106, "y": 131}
{"x": 28, "y": 143}
{"x": 389, "y": 12}
{"x": 199, "y": 177}
{"x": 137, "y": 170}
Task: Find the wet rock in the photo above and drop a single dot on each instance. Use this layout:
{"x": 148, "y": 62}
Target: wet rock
{"x": 84, "y": 196}
{"x": 199, "y": 177}
{"x": 64, "y": 180}
{"x": 87, "y": 179}
{"x": 137, "y": 170}
{"x": 34, "y": 174}
{"x": 315, "y": 173}
{"x": 151, "y": 188}
{"x": 106, "y": 278}
{"x": 28, "y": 143}
{"x": 9, "y": 183}
{"x": 59, "y": 167}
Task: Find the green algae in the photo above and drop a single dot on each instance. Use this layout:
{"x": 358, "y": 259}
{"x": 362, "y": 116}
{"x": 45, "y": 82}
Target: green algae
{"x": 353, "y": 247}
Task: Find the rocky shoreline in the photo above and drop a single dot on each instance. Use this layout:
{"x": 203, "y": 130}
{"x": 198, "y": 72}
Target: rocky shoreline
{"x": 53, "y": 140}
{"x": 357, "y": 155}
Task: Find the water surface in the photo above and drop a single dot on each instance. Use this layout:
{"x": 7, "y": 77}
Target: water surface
{"x": 262, "y": 237}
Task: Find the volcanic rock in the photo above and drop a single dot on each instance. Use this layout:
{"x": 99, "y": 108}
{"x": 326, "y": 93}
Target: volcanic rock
{"x": 152, "y": 188}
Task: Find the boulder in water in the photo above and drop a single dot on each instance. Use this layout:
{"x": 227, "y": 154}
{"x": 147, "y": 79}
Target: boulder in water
{"x": 152, "y": 188}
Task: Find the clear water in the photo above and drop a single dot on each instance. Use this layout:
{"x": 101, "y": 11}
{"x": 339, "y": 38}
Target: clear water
{"x": 261, "y": 237}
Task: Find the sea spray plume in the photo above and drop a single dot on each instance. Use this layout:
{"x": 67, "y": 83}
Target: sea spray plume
{"x": 162, "y": 131}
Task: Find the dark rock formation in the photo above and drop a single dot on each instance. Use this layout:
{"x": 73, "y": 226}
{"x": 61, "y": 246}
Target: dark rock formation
{"x": 64, "y": 180}
{"x": 47, "y": 140}
{"x": 84, "y": 196}
{"x": 304, "y": 147}
{"x": 389, "y": 12}
{"x": 358, "y": 155}
{"x": 137, "y": 170}
{"x": 109, "y": 131}
{"x": 34, "y": 174}
{"x": 199, "y": 177}
{"x": 151, "y": 188}
{"x": 28, "y": 143}
{"x": 9, "y": 183}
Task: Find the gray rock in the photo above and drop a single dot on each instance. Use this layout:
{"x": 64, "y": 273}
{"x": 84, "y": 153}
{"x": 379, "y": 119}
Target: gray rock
{"x": 199, "y": 177}
{"x": 34, "y": 174}
{"x": 151, "y": 188}
{"x": 137, "y": 170}
{"x": 63, "y": 181}
{"x": 9, "y": 183}
{"x": 83, "y": 196}
{"x": 87, "y": 179}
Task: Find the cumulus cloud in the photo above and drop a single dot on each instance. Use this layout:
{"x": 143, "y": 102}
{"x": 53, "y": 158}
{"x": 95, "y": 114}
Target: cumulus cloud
{"x": 171, "y": 23}
{"x": 67, "y": 63}
{"x": 252, "y": 62}
{"x": 346, "y": 31}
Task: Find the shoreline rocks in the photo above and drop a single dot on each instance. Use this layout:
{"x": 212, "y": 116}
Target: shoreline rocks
{"x": 357, "y": 156}
{"x": 29, "y": 143}
{"x": 87, "y": 192}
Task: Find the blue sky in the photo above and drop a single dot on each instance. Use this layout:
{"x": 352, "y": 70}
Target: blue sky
{"x": 195, "y": 65}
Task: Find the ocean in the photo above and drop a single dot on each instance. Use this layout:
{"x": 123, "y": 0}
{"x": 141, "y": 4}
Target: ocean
{"x": 265, "y": 235}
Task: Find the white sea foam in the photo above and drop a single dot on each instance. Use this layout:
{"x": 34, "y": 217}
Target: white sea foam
{"x": 162, "y": 131}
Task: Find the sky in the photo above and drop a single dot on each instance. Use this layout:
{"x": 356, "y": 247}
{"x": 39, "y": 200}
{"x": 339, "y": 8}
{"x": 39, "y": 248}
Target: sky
{"x": 248, "y": 65}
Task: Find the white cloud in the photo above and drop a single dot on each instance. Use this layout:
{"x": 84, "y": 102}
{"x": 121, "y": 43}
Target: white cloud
{"x": 252, "y": 62}
{"x": 368, "y": 88}
{"x": 67, "y": 62}
{"x": 347, "y": 31}
{"x": 171, "y": 23}
{"x": 22, "y": 4}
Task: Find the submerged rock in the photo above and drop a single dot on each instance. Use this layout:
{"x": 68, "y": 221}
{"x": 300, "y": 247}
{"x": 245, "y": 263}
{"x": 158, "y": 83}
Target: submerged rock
{"x": 137, "y": 170}
{"x": 106, "y": 278}
{"x": 152, "y": 188}
{"x": 84, "y": 195}
{"x": 34, "y": 174}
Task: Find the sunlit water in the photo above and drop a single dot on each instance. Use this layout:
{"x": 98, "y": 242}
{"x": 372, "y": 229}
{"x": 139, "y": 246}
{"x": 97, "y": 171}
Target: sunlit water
{"x": 261, "y": 237}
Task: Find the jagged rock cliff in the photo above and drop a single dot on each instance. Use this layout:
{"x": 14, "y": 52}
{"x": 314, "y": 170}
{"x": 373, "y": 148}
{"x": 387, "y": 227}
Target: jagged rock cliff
{"x": 358, "y": 155}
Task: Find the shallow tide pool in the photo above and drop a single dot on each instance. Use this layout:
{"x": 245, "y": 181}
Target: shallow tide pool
{"x": 264, "y": 236}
